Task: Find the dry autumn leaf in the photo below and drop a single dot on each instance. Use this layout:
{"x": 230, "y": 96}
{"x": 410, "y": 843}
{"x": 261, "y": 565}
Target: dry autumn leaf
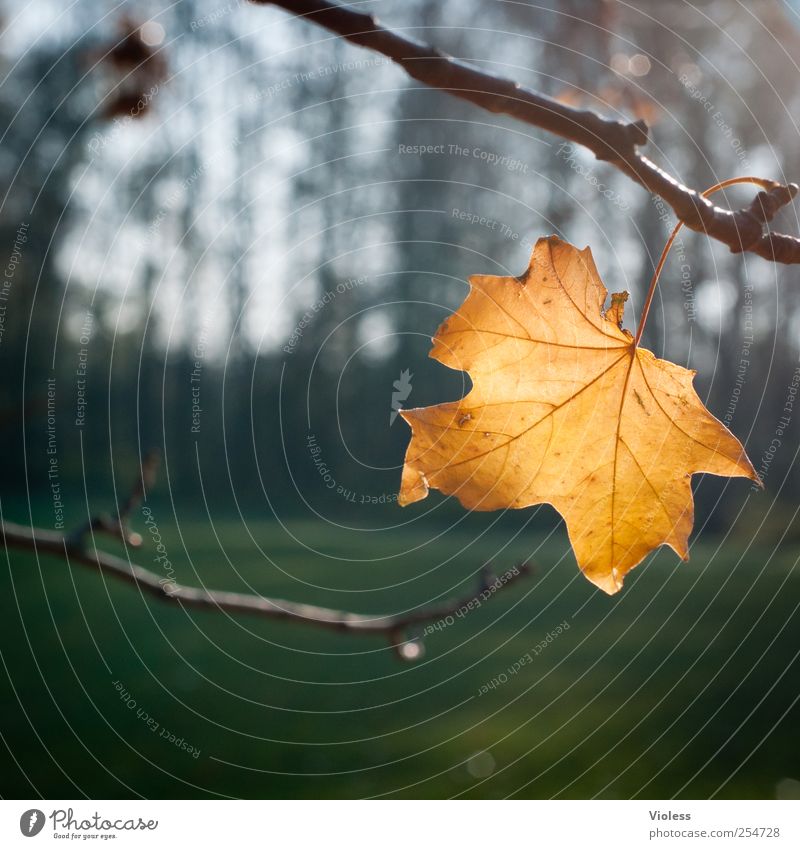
{"x": 567, "y": 410}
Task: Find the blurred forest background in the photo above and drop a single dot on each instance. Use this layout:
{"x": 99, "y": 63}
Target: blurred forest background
{"x": 220, "y": 239}
{"x": 192, "y": 213}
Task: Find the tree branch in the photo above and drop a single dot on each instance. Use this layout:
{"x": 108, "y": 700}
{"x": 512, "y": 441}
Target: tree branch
{"x": 119, "y": 527}
{"x": 612, "y": 141}
{"x": 397, "y": 628}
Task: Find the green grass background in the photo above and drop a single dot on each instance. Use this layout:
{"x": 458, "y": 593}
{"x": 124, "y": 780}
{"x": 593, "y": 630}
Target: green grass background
{"x": 684, "y": 684}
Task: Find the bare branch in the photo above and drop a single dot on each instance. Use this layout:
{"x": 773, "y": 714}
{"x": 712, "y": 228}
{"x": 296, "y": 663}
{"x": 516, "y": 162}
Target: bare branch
{"x": 612, "y": 141}
{"x": 397, "y": 628}
{"x": 394, "y": 627}
{"x": 118, "y": 527}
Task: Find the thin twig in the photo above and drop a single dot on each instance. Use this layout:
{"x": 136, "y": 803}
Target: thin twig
{"x": 397, "y": 628}
{"x": 394, "y": 626}
{"x": 118, "y": 527}
{"x": 613, "y": 141}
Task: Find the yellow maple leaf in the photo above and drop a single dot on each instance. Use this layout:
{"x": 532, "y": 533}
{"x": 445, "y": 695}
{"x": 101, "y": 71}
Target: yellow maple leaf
{"x": 567, "y": 410}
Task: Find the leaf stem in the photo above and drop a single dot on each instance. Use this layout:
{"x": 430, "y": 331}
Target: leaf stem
{"x": 733, "y": 181}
